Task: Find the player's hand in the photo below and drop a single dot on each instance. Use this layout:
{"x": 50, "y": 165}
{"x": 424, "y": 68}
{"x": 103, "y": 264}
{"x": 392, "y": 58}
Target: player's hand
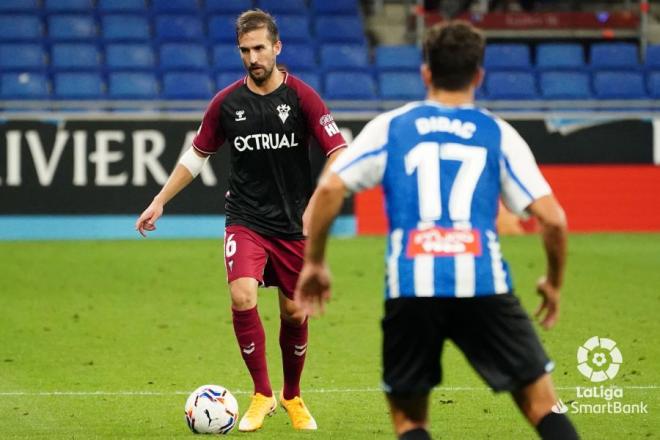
{"x": 147, "y": 220}
{"x": 548, "y": 310}
{"x": 313, "y": 288}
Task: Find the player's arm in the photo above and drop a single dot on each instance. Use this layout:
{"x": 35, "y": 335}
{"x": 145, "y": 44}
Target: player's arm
{"x": 552, "y": 220}
{"x": 313, "y": 289}
{"x": 188, "y": 167}
{"x": 323, "y": 128}
{"x": 525, "y": 191}
{"x": 359, "y": 167}
{"x": 209, "y": 137}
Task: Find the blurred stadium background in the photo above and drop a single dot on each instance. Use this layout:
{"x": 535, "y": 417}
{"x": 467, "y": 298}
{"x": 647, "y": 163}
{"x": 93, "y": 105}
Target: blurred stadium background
{"x": 98, "y": 98}
{"x": 105, "y": 339}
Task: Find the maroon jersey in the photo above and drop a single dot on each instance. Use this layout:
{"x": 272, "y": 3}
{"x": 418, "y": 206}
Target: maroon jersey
{"x": 270, "y": 180}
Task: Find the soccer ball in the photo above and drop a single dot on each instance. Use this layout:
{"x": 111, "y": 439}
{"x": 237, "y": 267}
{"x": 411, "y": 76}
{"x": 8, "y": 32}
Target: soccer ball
{"x": 211, "y": 409}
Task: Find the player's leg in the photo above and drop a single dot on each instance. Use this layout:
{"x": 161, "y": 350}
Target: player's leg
{"x": 293, "y": 343}
{"x": 412, "y": 343}
{"x": 535, "y": 400}
{"x": 410, "y": 416}
{"x": 285, "y": 260}
{"x": 249, "y": 332}
{"x": 498, "y": 339}
{"x": 245, "y": 258}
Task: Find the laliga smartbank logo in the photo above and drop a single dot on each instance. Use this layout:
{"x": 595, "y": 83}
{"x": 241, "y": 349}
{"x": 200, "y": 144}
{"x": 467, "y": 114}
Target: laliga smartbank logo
{"x": 599, "y": 360}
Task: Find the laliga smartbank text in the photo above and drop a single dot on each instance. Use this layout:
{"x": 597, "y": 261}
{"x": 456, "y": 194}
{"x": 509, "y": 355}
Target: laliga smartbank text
{"x": 604, "y": 400}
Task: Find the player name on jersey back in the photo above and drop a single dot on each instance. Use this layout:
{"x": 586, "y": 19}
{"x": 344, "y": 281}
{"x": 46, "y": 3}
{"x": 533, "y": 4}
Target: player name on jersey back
{"x": 443, "y": 242}
{"x": 431, "y": 124}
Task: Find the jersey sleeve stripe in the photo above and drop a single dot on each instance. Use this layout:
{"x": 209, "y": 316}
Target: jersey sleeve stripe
{"x": 360, "y": 158}
{"x": 335, "y": 149}
{"x": 516, "y": 179}
{"x": 201, "y": 150}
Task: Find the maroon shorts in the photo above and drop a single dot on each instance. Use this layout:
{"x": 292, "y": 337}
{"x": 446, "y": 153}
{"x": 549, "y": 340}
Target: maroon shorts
{"x": 271, "y": 261}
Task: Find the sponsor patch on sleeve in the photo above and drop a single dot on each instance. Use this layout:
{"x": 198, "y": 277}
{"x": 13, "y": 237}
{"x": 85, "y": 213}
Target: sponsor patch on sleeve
{"x": 328, "y": 122}
{"x": 443, "y": 242}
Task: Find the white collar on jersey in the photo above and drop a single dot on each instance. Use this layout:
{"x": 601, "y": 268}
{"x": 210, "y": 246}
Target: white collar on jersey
{"x": 439, "y": 104}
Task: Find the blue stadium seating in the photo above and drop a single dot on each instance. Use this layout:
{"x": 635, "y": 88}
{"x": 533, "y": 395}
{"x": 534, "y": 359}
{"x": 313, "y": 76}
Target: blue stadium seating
{"x": 312, "y": 79}
{"x": 223, "y": 79}
{"x": 350, "y": 85}
{"x": 23, "y": 86}
{"x": 565, "y": 85}
{"x": 132, "y": 85}
{"x": 294, "y": 28}
{"x": 178, "y": 56}
{"x": 22, "y": 56}
{"x": 178, "y": 28}
{"x": 130, "y": 6}
{"x": 221, "y": 28}
{"x": 344, "y": 57}
{"x": 629, "y": 85}
{"x": 324, "y": 7}
{"x": 78, "y": 85}
{"x": 652, "y": 61}
{"x": 325, "y": 45}
{"x": 68, "y": 5}
{"x": 511, "y": 85}
{"x": 166, "y": 6}
{"x": 507, "y": 57}
{"x": 20, "y": 27}
{"x": 125, "y": 56}
{"x": 555, "y": 56}
{"x": 298, "y": 57}
{"x": 74, "y": 56}
{"x": 187, "y": 85}
{"x": 226, "y": 57}
{"x": 614, "y": 56}
{"x": 71, "y": 27}
{"x": 653, "y": 83}
{"x": 125, "y": 28}
{"x": 401, "y": 85}
{"x": 283, "y": 6}
{"x": 398, "y": 58}
{"x": 228, "y": 6}
{"x": 18, "y": 6}
{"x": 339, "y": 29}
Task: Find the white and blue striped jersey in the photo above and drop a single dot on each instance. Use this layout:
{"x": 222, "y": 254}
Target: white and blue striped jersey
{"x": 443, "y": 170}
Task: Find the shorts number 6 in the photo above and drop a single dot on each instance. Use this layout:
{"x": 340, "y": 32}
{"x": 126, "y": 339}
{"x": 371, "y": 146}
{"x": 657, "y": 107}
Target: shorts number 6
{"x": 230, "y": 246}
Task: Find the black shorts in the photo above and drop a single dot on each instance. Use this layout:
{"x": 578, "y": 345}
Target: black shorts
{"x": 493, "y": 332}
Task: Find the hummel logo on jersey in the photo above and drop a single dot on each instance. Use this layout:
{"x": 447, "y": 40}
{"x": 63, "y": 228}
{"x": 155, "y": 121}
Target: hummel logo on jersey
{"x": 300, "y": 349}
{"x": 283, "y": 112}
{"x": 231, "y": 265}
{"x": 328, "y": 122}
{"x": 240, "y": 115}
{"x": 249, "y": 349}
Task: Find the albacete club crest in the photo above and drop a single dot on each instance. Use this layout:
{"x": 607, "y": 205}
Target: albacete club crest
{"x": 283, "y": 112}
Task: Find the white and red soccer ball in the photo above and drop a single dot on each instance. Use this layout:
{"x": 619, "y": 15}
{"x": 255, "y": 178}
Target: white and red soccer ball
{"x": 211, "y": 409}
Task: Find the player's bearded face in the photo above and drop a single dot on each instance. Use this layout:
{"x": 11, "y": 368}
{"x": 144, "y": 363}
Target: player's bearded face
{"x": 258, "y": 54}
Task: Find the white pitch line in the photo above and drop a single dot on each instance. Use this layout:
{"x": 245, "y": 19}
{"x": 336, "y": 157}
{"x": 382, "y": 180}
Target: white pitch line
{"x": 240, "y": 392}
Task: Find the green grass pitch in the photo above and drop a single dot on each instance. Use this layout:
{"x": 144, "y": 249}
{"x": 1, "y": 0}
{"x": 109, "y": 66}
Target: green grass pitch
{"x": 105, "y": 340}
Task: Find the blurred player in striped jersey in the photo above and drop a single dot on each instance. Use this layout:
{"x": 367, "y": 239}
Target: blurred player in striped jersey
{"x": 443, "y": 165}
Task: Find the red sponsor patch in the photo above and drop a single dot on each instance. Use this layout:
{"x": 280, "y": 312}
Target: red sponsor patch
{"x": 441, "y": 242}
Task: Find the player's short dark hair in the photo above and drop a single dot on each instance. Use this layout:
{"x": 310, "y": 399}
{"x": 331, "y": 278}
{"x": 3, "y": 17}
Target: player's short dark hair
{"x": 255, "y": 19}
{"x": 454, "y": 52}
